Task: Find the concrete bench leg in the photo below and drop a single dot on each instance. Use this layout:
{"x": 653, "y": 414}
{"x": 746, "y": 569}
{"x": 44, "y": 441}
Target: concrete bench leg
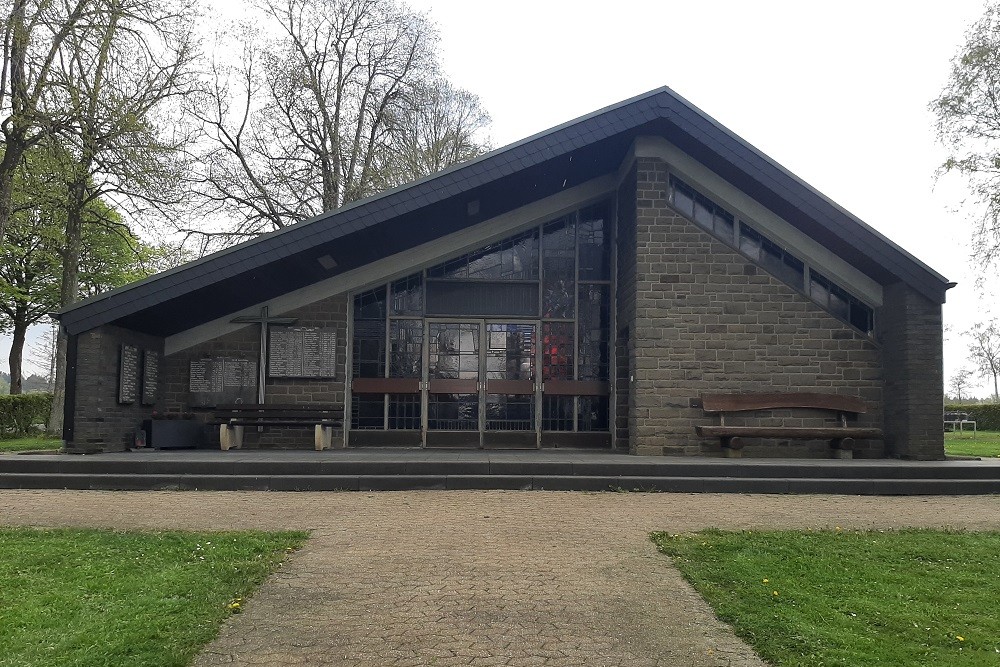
{"x": 324, "y": 437}
{"x": 842, "y": 448}
{"x": 732, "y": 447}
{"x": 230, "y": 437}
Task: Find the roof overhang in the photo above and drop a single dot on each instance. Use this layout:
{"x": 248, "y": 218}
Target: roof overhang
{"x": 470, "y": 193}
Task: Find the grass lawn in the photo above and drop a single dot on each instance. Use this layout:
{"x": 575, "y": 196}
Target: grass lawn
{"x": 92, "y": 598}
{"x": 986, "y": 443}
{"x": 850, "y": 598}
{"x": 28, "y": 444}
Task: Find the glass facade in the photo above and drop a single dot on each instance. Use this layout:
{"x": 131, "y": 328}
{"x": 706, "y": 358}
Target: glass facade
{"x": 467, "y": 345}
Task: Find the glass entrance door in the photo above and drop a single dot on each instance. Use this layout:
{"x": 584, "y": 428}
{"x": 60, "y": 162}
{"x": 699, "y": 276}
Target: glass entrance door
{"x": 481, "y": 388}
{"x": 453, "y": 384}
{"x": 510, "y": 387}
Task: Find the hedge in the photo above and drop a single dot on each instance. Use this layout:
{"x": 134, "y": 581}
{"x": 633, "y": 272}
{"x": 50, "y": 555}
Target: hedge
{"x": 20, "y": 413}
{"x": 986, "y": 415}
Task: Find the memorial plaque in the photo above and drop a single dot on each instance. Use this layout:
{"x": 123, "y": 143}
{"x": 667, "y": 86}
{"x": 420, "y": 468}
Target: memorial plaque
{"x": 128, "y": 374}
{"x": 302, "y": 352}
{"x": 222, "y": 380}
{"x": 150, "y": 376}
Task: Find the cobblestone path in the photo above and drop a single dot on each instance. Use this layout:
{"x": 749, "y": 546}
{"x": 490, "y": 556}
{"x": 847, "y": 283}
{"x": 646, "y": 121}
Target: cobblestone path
{"x": 480, "y": 578}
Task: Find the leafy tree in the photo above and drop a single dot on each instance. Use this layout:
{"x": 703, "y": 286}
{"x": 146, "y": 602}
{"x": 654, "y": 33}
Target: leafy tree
{"x": 334, "y": 108}
{"x": 31, "y": 260}
{"x": 968, "y": 124}
{"x": 34, "y": 32}
{"x": 121, "y": 81}
{"x": 984, "y": 350}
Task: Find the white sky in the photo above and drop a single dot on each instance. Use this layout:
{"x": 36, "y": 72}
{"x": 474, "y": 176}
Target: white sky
{"x": 835, "y": 92}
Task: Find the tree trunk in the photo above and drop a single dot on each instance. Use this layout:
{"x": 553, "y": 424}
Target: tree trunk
{"x": 12, "y": 155}
{"x": 69, "y": 292}
{"x": 58, "y": 389}
{"x": 17, "y": 354}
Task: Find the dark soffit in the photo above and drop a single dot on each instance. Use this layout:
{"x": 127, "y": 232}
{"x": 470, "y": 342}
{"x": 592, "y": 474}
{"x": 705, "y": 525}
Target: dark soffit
{"x": 501, "y": 180}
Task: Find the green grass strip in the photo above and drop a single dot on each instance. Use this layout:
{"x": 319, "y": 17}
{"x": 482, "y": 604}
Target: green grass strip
{"x": 832, "y": 598}
{"x": 984, "y": 443}
{"x": 92, "y": 598}
{"x": 30, "y": 444}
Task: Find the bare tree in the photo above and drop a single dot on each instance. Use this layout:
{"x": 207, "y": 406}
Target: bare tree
{"x": 985, "y": 352}
{"x": 317, "y": 109}
{"x": 119, "y": 78}
{"x": 440, "y": 128}
{"x": 34, "y": 33}
{"x": 960, "y": 381}
{"x": 968, "y": 124}
{"x": 43, "y": 353}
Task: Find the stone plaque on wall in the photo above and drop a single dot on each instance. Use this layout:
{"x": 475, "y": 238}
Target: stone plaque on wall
{"x": 302, "y": 352}
{"x": 221, "y": 381}
{"x": 128, "y": 374}
{"x": 150, "y": 376}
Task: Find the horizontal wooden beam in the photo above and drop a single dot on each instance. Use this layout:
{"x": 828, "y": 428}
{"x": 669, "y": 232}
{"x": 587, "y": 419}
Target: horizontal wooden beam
{"x": 793, "y": 433}
{"x": 775, "y": 401}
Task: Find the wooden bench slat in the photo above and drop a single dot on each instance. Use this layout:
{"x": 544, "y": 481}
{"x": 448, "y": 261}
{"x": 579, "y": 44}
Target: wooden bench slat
{"x": 789, "y": 432}
{"x": 304, "y": 423}
{"x": 777, "y": 401}
{"x": 279, "y": 415}
{"x": 276, "y": 407}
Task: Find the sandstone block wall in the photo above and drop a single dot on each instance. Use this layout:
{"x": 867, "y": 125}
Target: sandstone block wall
{"x": 707, "y": 320}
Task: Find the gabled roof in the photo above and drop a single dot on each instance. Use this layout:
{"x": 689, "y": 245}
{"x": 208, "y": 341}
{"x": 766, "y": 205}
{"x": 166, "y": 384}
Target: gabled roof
{"x": 501, "y": 180}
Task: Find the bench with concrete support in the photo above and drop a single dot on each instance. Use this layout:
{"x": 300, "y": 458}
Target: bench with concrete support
{"x": 233, "y": 420}
{"x": 733, "y": 438}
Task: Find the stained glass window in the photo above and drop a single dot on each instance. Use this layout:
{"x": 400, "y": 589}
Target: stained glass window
{"x": 408, "y": 296}
{"x": 406, "y": 348}
{"x": 511, "y": 259}
{"x": 593, "y": 232}
{"x": 559, "y": 268}
{"x": 775, "y": 259}
{"x": 593, "y": 329}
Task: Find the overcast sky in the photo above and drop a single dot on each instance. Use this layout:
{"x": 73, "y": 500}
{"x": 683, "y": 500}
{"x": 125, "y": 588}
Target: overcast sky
{"x": 835, "y": 92}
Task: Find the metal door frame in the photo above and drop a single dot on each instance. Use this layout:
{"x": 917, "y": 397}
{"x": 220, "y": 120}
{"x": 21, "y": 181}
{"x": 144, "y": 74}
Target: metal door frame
{"x": 481, "y": 382}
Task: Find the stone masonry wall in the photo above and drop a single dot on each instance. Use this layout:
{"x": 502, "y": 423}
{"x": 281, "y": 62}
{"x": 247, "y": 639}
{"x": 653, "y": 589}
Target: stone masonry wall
{"x": 911, "y": 330}
{"x": 329, "y": 312}
{"x": 625, "y": 314}
{"x": 707, "y": 320}
{"x": 100, "y": 423}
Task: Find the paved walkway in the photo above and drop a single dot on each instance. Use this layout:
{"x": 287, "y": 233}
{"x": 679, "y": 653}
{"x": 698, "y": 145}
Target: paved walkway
{"x": 481, "y": 578}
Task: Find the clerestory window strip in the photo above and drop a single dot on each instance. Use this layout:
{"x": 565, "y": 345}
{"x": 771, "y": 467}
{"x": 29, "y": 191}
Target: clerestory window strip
{"x": 777, "y": 261}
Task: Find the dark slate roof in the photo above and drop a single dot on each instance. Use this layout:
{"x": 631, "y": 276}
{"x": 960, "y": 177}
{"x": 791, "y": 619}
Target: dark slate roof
{"x": 501, "y": 180}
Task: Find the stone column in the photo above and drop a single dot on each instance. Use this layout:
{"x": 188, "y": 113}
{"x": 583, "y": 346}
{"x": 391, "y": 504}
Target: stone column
{"x": 910, "y": 328}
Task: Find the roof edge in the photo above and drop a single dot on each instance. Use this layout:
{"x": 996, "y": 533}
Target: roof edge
{"x": 361, "y": 202}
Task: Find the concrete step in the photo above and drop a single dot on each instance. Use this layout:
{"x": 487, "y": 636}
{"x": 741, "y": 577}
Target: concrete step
{"x": 400, "y": 482}
{"x": 621, "y": 466}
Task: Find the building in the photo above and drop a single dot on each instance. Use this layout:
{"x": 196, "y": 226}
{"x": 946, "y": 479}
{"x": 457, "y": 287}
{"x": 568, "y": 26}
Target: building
{"x": 582, "y": 287}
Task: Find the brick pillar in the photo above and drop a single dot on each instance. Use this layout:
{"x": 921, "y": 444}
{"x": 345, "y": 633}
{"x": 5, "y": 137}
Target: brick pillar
{"x": 100, "y": 422}
{"x": 911, "y": 331}
{"x": 625, "y": 314}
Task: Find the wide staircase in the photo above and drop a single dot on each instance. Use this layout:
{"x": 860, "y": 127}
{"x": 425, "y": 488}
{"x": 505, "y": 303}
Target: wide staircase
{"x": 555, "y": 470}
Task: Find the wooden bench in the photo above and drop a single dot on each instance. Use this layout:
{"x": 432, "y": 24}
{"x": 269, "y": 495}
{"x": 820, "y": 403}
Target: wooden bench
{"x": 733, "y": 438}
{"x": 233, "y": 419}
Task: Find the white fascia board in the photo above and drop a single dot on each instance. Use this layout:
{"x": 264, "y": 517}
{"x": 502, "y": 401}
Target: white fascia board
{"x": 803, "y": 246}
{"x": 404, "y": 263}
